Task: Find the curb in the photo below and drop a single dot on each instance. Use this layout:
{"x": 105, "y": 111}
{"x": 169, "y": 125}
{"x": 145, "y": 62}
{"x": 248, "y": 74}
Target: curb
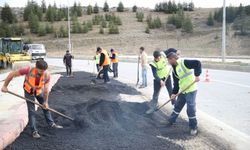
{"x": 11, "y": 128}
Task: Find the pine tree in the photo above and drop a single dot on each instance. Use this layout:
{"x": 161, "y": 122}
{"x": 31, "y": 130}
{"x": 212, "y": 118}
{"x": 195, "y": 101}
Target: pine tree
{"x": 33, "y": 23}
{"x": 43, "y": 6}
{"x": 89, "y": 10}
{"x": 120, "y": 7}
{"x": 32, "y": 7}
{"x": 96, "y": 9}
{"x": 187, "y": 25}
{"x": 106, "y": 7}
{"x": 210, "y": 20}
{"x": 6, "y": 14}
{"x": 134, "y": 8}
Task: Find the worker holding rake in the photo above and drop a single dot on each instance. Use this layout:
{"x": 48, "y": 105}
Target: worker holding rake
{"x": 185, "y": 88}
{"x": 36, "y": 86}
{"x": 161, "y": 72}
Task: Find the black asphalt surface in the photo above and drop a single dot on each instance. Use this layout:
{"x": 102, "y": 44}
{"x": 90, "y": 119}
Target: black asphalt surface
{"x": 108, "y": 122}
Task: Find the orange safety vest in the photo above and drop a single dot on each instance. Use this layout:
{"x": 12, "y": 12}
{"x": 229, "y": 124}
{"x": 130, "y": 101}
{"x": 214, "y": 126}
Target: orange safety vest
{"x": 116, "y": 58}
{"x": 106, "y": 60}
{"x": 30, "y": 82}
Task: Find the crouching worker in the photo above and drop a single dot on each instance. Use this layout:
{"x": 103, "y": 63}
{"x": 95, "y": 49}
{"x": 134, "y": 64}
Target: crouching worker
{"x": 161, "y": 72}
{"x": 36, "y": 86}
{"x": 183, "y": 77}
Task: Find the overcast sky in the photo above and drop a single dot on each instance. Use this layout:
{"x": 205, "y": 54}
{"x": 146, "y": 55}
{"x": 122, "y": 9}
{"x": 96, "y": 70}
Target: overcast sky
{"x": 129, "y": 3}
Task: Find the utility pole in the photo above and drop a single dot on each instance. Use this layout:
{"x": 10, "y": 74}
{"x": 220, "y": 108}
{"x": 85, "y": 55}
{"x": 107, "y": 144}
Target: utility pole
{"x": 69, "y": 44}
{"x": 223, "y": 51}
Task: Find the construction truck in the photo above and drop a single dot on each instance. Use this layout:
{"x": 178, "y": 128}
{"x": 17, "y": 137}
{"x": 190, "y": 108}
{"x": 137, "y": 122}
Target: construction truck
{"x": 12, "y": 53}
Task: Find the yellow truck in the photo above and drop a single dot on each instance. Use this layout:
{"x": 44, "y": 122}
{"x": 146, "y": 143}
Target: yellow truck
{"x": 12, "y": 53}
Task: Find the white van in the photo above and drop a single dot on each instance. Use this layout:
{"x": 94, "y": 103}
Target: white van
{"x": 37, "y": 51}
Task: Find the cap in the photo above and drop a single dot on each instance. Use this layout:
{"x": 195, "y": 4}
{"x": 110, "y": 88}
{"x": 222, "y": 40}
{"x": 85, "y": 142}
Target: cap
{"x": 156, "y": 54}
{"x": 170, "y": 50}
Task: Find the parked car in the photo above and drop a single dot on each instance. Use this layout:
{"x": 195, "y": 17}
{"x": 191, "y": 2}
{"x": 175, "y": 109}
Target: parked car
{"x": 37, "y": 51}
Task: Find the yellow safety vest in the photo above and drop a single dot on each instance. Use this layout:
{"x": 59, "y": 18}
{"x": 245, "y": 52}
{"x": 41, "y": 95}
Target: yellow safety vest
{"x": 185, "y": 76}
{"x": 97, "y": 58}
{"x": 161, "y": 67}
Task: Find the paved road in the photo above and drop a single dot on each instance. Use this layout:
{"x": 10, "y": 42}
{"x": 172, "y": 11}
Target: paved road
{"x": 226, "y": 97}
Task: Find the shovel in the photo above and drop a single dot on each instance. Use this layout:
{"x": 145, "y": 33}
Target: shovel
{"x": 158, "y": 108}
{"x": 50, "y": 109}
{"x": 138, "y": 72}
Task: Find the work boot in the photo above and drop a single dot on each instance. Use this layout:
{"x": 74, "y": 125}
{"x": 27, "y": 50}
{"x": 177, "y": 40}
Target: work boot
{"x": 150, "y": 111}
{"x": 193, "y": 132}
{"x": 36, "y": 135}
{"x": 56, "y": 126}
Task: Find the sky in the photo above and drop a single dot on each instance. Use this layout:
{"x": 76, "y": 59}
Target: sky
{"x": 129, "y": 3}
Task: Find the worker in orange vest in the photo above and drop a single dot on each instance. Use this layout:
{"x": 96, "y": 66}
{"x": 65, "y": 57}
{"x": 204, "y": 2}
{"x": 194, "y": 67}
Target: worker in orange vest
{"x": 114, "y": 60}
{"x": 36, "y": 86}
{"x": 104, "y": 63}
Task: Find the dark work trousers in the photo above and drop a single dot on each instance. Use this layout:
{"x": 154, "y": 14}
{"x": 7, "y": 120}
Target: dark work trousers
{"x": 115, "y": 69}
{"x": 105, "y": 73}
{"x": 32, "y": 111}
{"x": 182, "y": 99}
{"x": 157, "y": 88}
{"x": 97, "y": 68}
{"x": 68, "y": 69}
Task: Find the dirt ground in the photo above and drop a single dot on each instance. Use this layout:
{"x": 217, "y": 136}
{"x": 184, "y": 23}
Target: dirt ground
{"x": 109, "y": 121}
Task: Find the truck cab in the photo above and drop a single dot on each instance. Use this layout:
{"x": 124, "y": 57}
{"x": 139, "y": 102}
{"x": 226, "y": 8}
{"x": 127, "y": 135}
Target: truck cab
{"x": 11, "y": 51}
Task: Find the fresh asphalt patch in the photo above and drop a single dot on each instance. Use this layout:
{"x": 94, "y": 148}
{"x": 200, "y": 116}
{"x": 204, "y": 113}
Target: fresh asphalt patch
{"x": 104, "y": 121}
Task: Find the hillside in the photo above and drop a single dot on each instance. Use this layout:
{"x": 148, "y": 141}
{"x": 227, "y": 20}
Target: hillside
{"x": 204, "y": 41}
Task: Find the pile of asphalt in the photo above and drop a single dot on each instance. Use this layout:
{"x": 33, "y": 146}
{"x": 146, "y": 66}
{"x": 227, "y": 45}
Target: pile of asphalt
{"x": 106, "y": 121}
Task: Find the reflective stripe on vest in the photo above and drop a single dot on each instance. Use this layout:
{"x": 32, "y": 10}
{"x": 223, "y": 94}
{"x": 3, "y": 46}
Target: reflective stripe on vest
{"x": 30, "y": 82}
{"x": 106, "y": 60}
{"x": 161, "y": 67}
{"x": 185, "y": 76}
{"x": 116, "y": 58}
{"x": 97, "y": 58}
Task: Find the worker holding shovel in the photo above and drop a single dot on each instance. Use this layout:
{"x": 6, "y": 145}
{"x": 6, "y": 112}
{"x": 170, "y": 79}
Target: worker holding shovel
{"x": 161, "y": 73}
{"x": 36, "y": 86}
{"x": 185, "y": 81}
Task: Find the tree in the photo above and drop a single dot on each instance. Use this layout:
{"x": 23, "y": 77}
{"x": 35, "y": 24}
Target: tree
{"x": 76, "y": 10}
{"x": 191, "y": 6}
{"x": 5, "y": 30}
{"x": 187, "y": 25}
{"x": 106, "y": 7}
{"x": 41, "y": 31}
{"x": 147, "y": 30}
{"x": 90, "y": 25}
{"x": 134, "y": 8}
{"x": 6, "y": 15}
{"x": 51, "y": 14}
{"x": 139, "y": 16}
{"x": 113, "y": 29}
{"x": 101, "y": 30}
{"x": 210, "y": 20}
{"x": 89, "y": 10}
{"x": 33, "y": 23}
{"x": 32, "y": 7}
{"x": 62, "y": 32}
{"x": 43, "y": 6}
{"x": 96, "y": 9}
{"x": 120, "y": 7}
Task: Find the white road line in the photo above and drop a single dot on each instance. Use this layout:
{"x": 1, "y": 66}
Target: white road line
{"x": 231, "y": 83}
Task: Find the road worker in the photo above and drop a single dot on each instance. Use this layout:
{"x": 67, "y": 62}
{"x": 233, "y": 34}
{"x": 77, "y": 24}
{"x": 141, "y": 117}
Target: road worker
{"x": 114, "y": 60}
{"x": 185, "y": 75}
{"x": 36, "y": 86}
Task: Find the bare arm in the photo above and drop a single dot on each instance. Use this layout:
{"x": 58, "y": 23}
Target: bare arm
{"x": 11, "y": 75}
{"x": 46, "y": 92}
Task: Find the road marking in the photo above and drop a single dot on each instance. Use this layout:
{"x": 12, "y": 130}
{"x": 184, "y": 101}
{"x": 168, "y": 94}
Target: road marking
{"x": 231, "y": 83}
